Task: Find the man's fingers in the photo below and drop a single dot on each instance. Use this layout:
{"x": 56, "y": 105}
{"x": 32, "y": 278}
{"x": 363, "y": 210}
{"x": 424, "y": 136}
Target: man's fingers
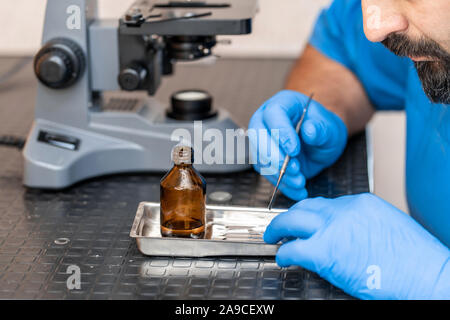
{"x": 275, "y": 117}
{"x": 293, "y": 223}
{"x": 303, "y": 253}
{"x": 293, "y": 167}
{"x": 315, "y": 133}
{"x": 292, "y": 187}
{"x": 263, "y": 147}
{"x": 320, "y": 205}
{"x": 282, "y": 112}
{"x": 294, "y": 181}
{"x": 297, "y": 181}
{"x": 294, "y": 193}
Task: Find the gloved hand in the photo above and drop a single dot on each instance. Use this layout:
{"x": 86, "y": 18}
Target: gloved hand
{"x": 323, "y": 138}
{"x": 364, "y": 246}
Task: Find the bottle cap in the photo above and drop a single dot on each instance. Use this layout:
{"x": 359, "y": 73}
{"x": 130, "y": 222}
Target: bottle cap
{"x": 182, "y": 155}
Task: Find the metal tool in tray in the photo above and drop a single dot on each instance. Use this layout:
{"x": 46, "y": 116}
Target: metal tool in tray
{"x": 230, "y": 231}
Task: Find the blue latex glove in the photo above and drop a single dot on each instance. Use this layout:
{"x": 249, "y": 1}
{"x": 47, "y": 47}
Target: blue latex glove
{"x": 364, "y": 246}
{"x": 323, "y": 139}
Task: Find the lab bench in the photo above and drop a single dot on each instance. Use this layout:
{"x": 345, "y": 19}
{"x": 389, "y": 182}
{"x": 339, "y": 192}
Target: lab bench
{"x": 42, "y": 233}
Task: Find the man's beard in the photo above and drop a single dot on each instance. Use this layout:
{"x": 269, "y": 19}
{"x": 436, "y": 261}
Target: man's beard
{"x": 434, "y": 75}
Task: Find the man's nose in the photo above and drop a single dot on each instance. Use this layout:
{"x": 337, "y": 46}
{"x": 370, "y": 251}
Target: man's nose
{"x": 381, "y": 18}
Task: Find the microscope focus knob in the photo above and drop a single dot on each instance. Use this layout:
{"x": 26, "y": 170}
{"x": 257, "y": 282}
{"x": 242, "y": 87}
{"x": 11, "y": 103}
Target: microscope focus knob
{"x": 132, "y": 77}
{"x": 59, "y": 63}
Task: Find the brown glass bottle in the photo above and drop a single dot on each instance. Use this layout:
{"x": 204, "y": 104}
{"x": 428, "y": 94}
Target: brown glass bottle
{"x": 183, "y": 192}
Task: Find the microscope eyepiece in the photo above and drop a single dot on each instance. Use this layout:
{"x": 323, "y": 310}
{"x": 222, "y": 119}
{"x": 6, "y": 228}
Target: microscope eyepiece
{"x": 191, "y": 105}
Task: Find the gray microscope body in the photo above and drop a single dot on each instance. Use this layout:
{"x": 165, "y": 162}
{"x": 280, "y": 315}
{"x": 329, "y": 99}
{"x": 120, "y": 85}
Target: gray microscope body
{"x": 77, "y": 133}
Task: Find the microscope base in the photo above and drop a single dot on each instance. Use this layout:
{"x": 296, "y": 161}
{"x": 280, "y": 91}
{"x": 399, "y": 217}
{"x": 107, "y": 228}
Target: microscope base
{"x": 57, "y": 156}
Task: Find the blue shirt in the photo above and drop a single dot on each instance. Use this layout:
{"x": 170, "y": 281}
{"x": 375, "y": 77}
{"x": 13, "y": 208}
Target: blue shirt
{"x": 391, "y": 83}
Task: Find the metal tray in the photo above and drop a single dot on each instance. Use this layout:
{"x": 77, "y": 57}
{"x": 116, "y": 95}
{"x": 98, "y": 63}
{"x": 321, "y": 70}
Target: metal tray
{"x": 230, "y": 231}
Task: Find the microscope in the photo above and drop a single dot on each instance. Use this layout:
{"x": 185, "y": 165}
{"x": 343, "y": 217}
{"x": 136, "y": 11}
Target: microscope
{"x": 78, "y": 134}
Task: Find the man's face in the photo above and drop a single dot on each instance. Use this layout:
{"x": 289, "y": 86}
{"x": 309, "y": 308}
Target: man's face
{"x": 418, "y": 29}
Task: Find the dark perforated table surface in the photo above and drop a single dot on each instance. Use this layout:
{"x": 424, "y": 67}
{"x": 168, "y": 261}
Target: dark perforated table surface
{"x": 42, "y": 233}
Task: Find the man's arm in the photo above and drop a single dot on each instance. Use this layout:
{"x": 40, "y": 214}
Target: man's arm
{"x": 334, "y": 86}
{"x": 340, "y": 107}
